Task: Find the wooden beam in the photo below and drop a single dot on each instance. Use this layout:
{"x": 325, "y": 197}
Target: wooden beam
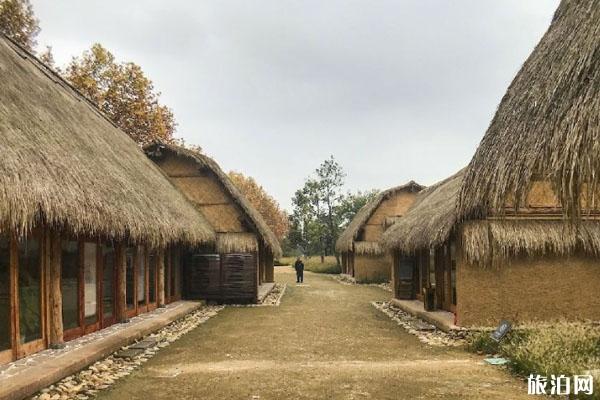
{"x": 160, "y": 276}
{"x": 55, "y": 320}
{"x": 121, "y": 301}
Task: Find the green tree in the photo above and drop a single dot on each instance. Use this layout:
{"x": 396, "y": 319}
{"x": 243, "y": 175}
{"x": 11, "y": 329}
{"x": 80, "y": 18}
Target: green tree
{"x": 316, "y": 219}
{"x": 123, "y": 93}
{"x": 352, "y": 203}
{"x": 18, "y": 22}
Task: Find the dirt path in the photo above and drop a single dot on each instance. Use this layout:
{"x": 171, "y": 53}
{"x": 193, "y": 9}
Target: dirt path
{"x": 325, "y": 341}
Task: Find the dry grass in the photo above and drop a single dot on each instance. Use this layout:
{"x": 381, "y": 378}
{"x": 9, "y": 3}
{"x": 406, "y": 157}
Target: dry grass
{"x": 547, "y": 126}
{"x": 562, "y": 348}
{"x": 236, "y": 242}
{"x": 368, "y": 248}
{"x": 491, "y": 241}
{"x": 313, "y": 264}
{"x": 65, "y": 164}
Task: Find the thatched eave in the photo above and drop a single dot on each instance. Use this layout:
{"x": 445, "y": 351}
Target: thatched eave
{"x": 65, "y": 164}
{"x": 547, "y": 126}
{"x": 429, "y": 221}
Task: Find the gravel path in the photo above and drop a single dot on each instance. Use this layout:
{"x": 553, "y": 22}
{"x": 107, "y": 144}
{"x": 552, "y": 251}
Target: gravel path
{"x": 325, "y": 341}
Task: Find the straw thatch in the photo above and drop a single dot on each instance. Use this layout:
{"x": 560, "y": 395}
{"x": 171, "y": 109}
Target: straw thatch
{"x": 65, "y": 164}
{"x": 233, "y": 242}
{"x": 487, "y": 242}
{"x": 203, "y": 161}
{"x": 368, "y": 248}
{"x": 346, "y": 240}
{"x": 547, "y": 126}
{"x": 429, "y": 221}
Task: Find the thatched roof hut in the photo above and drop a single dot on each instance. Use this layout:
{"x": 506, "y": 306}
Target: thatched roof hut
{"x": 346, "y": 241}
{"x": 226, "y": 242}
{"x": 434, "y": 217}
{"x": 64, "y": 163}
{"x": 547, "y": 127}
{"x": 429, "y": 221}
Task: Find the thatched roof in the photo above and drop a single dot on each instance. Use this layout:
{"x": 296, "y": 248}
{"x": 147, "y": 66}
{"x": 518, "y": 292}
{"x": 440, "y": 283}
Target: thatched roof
{"x": 547, "y": 126}
{"x": 64, "y": 163}
{"x": 429, "y": 221}
{"x": 487, "y": 242}
{"x": 346, "y": 240}
{"x": 203, "y": 161}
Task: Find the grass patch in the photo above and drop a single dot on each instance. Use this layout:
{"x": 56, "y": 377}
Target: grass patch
{"x": 563, "y": 348}
{"x": 313, "y": 264}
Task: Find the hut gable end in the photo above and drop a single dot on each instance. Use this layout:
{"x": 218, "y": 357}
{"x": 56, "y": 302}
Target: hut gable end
{"x": 364, "y": 231}
{"x": 212, "y": 192}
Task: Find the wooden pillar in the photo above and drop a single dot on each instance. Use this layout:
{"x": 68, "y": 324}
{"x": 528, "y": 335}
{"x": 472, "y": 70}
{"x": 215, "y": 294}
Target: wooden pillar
{"x": 269, "y": 270}
{"x": 160, "y": 275}
{"x": 121, "y": 301}
{"x": 393, "y": 273}
{"x": 55, "y": 321}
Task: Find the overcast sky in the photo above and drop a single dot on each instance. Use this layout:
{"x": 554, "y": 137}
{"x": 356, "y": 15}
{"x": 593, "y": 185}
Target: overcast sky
{"x": 395, "y": 90}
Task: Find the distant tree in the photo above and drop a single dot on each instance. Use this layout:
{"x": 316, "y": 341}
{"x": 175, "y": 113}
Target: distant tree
{"x": 47, "y": 57}
{"x": 265, "y": 204}
{"x": 123, "y": 93}
{"x": 352, "y": 203}
{"x": 18, "y": 22}
{"x": 316, "y": 218}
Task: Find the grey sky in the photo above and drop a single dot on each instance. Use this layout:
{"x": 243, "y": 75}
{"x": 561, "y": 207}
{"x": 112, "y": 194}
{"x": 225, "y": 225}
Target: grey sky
{"x": 395, "y": 90}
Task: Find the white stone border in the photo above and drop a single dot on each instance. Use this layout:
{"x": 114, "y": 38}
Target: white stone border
{"x": 435, "y": 337}
{"x": 350, "y": 281}
{"x": 104, "y": 373}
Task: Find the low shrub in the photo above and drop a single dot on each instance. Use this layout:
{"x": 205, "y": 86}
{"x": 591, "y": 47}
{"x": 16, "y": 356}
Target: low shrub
{"x": 563, "y": 348}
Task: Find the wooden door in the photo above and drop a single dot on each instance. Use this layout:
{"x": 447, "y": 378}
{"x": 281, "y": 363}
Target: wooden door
{"x": 152, "y": 279}
{"x": 108, "y": 285}
{"x": 238, "y": 283}
{"x": 29, "y": 300}
{"x": 6, "y": 301}
{"x": 203, "y": 277}
{"x": 71, "y": 288}
{"x": 141, "y": 280}
{"x": 405, "y": 281}
{"x": 91, "y": 285}
{"x": 130, "y": 281}
{"x": 440, "y": 281}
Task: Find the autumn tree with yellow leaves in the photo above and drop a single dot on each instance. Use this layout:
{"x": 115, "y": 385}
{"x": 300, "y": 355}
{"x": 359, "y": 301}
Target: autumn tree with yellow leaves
{"x": 123, "y": 92}
{"x": 18, "y": 22}
{"x": 265, "y": 204}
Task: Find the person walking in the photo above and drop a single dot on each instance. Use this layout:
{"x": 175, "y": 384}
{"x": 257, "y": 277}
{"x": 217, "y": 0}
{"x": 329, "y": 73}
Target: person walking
{"x": 299, "y": 267}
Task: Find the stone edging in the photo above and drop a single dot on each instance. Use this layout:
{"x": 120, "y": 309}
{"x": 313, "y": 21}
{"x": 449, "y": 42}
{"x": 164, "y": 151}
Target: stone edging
{"x": 350, "y": 281}
{"x": 424, "y": 331}
{"x": 104, "y": 373}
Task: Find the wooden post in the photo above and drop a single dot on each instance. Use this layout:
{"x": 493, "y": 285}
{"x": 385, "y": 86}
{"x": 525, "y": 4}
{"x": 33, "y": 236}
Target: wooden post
{"x": 269, "y": 268}
{"x": 121, "y": 303}
{"x": 55, "y": 328}
{"x": 160, "y": 275}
